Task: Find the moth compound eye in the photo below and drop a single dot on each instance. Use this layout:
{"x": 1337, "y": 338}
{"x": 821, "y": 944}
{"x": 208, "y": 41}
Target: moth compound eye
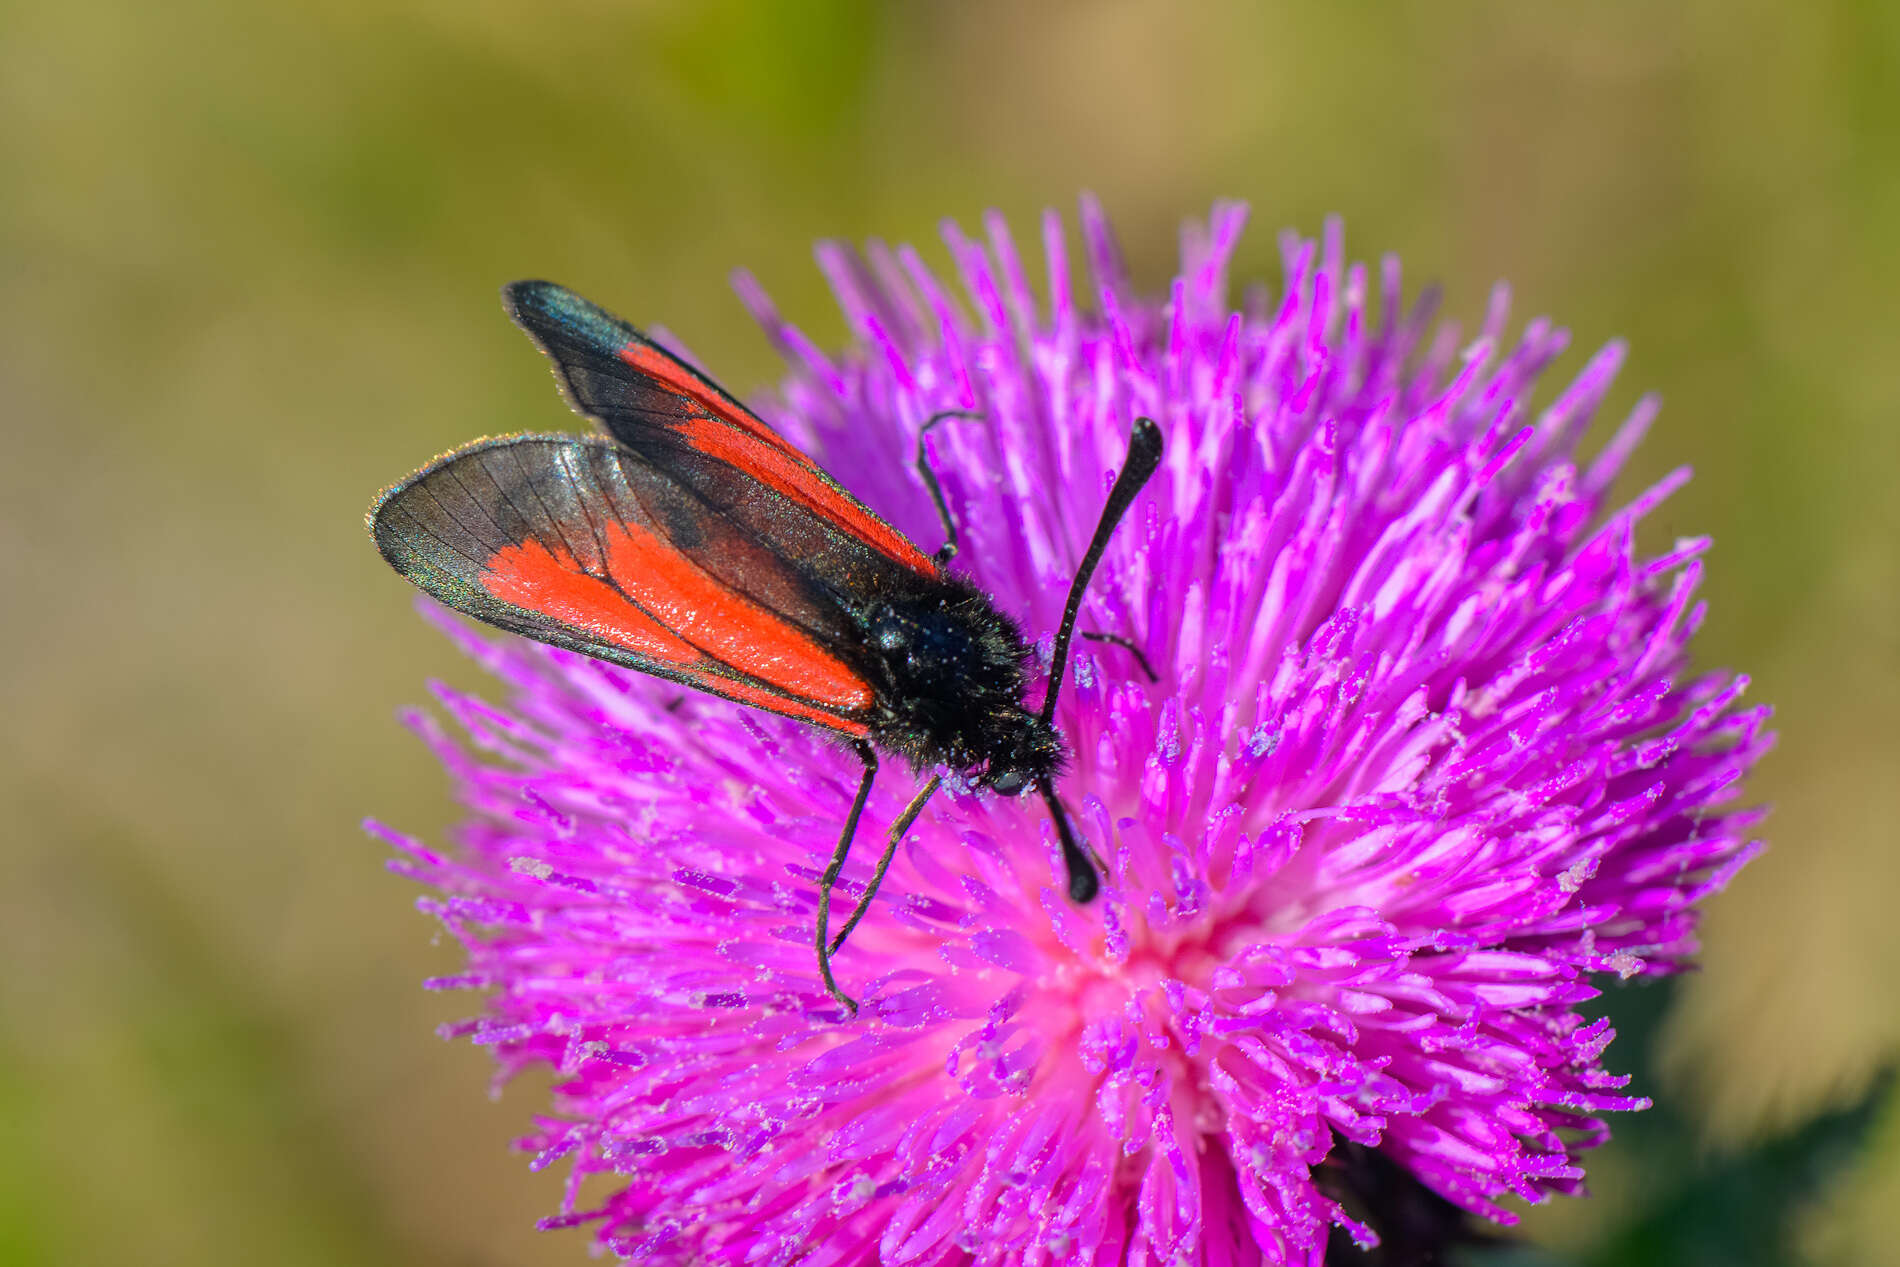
{"x": 1007, "y": 782}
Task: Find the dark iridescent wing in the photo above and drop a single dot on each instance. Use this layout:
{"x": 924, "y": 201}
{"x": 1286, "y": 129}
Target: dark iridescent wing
{"x": 583, "y": 545}
{"x": 656, "y": 405}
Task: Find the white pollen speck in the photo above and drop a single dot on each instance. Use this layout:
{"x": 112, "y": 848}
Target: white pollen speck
{"x": 863, "y": 1188}
{"x": 535, "y": 867}
{"x": 1262, "y": 742}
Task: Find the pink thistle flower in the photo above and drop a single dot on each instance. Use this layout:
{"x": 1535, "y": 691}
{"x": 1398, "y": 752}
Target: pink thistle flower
{"x": 1425, "y": 754}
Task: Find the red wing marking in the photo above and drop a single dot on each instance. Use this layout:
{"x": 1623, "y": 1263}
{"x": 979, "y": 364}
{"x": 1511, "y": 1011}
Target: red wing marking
{"x": 675, "y": 377}
{"x": 682, "y": 616}
{"x": 746, "y": 693}
{"x": 531, "y": 576}
{"x": 744, "y": 635}
{"x": 735, "y": 437}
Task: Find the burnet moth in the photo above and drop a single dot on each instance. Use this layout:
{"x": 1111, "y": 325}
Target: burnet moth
{"x": 694, "y": 543}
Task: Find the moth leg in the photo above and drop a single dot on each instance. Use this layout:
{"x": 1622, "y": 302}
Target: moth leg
{"x": 949, "y": 550}
{"x": 898, "y": 828}
{"x": 1128, "y": 646}
{"x": 867, "y": 755}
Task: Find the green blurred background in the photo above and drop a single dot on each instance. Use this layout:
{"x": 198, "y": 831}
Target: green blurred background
{"x": 250, "y": 257}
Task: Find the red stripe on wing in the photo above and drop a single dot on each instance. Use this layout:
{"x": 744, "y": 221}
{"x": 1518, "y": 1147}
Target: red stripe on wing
{"x": 675, "y": 376}
{"x": 738, "y": 439}
{"x": 735, "y": 630}
{"x": 758, "y": 697}
{"x": 531, "y": 576}
{"x": 679, "y": 617}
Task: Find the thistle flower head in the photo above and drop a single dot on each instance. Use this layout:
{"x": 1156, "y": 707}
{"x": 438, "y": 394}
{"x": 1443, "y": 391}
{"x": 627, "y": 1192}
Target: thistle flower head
{"x": 1424, "y": 753}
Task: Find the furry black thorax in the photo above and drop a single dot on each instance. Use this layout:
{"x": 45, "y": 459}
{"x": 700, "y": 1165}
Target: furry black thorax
{"x": 950, "y": 673}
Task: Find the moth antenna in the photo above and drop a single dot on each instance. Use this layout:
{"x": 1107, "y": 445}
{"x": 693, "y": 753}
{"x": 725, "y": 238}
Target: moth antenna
{"x": 1144, "y": 455}
{"x": 1084, "y": 884}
